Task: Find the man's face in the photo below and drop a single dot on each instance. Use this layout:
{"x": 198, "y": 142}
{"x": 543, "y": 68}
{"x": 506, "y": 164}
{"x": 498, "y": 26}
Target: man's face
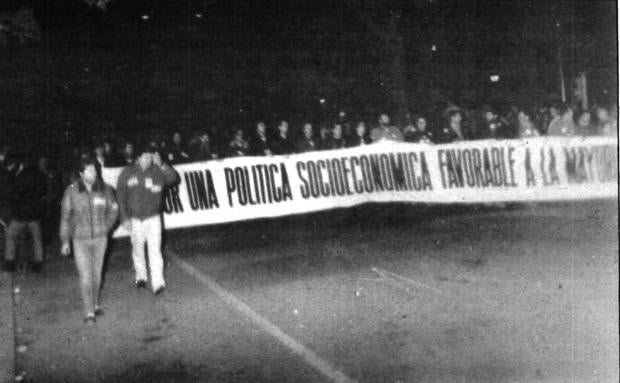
{"x": 421, "y": 124}
{"x": 489, "y": 116}
{"x": 129, "y": 149}
{"x": 176, "y": 138}
{"x": 456, "y": 119}
{"x": 308, "y": 130}
{"x": 554, "y": 112}
{"x": 145, "y": 160}
{"x": 602, "y": 114}
{"x": 584, "y": 119}
{"x": 99, "y": 151}
{"x": 283, "y": 127}
{"x": 261, "y": 127}
{"x": 89, "y": 174}
{"x": 360, "y": 129}
{"x": 384, "y": 119}
{"x": 337, "y": 131}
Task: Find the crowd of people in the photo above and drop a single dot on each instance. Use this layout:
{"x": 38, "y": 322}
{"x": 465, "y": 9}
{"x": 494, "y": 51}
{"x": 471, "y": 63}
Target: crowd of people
{"x": 35, "y": 196}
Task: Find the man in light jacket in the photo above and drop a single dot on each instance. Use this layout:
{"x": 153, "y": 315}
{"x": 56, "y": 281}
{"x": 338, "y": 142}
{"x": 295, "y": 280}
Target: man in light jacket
{"x": 89, "y": 211}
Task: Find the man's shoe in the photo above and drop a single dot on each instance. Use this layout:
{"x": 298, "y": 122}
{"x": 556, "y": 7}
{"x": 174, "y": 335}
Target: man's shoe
{"x": 141, "y": 284}
{"x": 8, "y": 266}
{"x": 159, "y": 290}
{"x": 36, "y": 267}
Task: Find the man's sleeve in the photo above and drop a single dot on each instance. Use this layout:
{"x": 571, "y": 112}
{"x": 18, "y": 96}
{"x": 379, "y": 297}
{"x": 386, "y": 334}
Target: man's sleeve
{"x": 111, "y": 208}
{"x": 122, "y": 195}
{"x": 66, "y": 212}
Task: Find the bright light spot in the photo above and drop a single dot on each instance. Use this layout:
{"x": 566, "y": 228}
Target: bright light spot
{"x": 322, "y": 101}
{"x": 198, "y": 15}
{"x": 86, "y": 69}
{"x": 557, "y": 24}
{"x": 434, "y": 48}
{"x": 240, "y": 110}
{"x": 494, "y": 77}
{"x": 145, "y": 17}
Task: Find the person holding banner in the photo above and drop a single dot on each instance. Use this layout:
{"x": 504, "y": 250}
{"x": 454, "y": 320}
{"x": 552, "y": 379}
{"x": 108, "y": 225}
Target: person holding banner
{"x": 140, "y": 187}
{"x": 89, "y": 211}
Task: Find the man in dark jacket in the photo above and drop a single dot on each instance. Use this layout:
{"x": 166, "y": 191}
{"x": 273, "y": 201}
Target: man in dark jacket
{"x": 283, "y": 144}
{"x": 139, "y": 190}
{"x": 27, "y": 203}
{"x": 260, "y": 144}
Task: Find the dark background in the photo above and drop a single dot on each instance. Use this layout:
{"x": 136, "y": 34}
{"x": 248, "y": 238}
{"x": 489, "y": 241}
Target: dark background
{"x": 219, "y": 64}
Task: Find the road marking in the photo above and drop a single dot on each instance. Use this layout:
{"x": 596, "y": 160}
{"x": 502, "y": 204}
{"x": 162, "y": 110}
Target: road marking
{"x": 306, "y": 354}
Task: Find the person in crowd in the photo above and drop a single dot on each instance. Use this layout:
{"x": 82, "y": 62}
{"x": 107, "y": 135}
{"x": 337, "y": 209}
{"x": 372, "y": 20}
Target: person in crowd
{"x": 525, "y": 123}
{"x": 343, "y": 120}
{"x": 307, "y": 142}
{"x": 493, "y": 127}
{"x": 27, "y": 203}
{"x": 283, "y": 144}
{"x": 238, "y": 146}
{"x": 53, "y": 195}
{"x": 583, "y": 124}
{"x": 128, "y": 155}
{"x": 260, "y": 145}
{"x": 139, "y": 190}
{"x": 111, "y": 158}
{"x": 418, "y": 131}
{"x": 200, "y": 148}
{"x": 336, "y": 139}
{"x": 6, "y": 180}
{"x": 453, "y": 131}
{"x": 99, "y": 154}
{"x": 360, "y": 137}
{"x": 177, "y": 154}
{"x": 604, "y": 124}
{"x": 88, "y": 212}
{"x": 385, "y": 131}
{"x": 562, "y": 121}
{"x": 324, "y": 137}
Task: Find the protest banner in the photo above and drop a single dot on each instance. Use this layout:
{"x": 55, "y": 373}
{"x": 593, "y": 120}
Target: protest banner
{"x": 486, "y": 171}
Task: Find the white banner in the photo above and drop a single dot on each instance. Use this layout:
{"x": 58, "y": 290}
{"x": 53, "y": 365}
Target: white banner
{"x": 538, "y": 169}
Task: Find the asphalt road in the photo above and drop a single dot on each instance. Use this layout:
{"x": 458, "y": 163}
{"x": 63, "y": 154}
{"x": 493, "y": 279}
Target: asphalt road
{"x": 380, "y": 293}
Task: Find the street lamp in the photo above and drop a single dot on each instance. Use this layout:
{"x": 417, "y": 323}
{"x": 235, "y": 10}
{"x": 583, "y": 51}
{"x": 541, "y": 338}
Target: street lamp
{"x": 494, "y": 77}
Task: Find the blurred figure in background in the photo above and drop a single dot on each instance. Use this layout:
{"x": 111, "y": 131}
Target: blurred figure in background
{"x": 27, "y": 201}
{"x": 525, "y": 123}
{"x": 493, "y": 127}
{"x": 200, "y": 148}
{"x": 385, "y": 131}
{"x": 127, "y": 156}
{"x": 583, "y": 124}
{"x": 260, "y": 145}
{"x": 453, "y": 131}
{"x": 283, "y": 143}
{"x": 238, "y": 146}
{"x": 307, "y": 142}
{"x": 359, "y": 137}
{"x": 335, "y": 140}
{"x": 418, "y": 131}
{"x": 562, "y": 121}
{"x": 177, "y": 154}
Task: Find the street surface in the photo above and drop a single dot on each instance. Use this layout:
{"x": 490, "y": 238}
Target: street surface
{"x": 378, "y": 293}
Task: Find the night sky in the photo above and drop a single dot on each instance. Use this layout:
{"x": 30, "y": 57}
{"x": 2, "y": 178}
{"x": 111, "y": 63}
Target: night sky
{"x": 193, "y": 64}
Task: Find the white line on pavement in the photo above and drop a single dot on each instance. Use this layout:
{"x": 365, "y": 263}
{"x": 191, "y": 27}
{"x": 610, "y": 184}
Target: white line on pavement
{"x": 306, "y": 354}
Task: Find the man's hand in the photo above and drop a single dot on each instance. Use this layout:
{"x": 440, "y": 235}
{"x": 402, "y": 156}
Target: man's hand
{"x": 65, "y": 249}
{"x": 127, "y": 225}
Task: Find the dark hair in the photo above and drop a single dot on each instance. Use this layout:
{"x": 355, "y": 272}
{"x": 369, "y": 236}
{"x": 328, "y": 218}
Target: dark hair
{"x": 86, "y": 161}
{"x": 143, "y": 148}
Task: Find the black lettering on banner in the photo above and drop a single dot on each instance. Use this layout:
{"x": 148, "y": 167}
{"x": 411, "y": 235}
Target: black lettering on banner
{"x": 337, "y": 171}
{"x": 367, "y": 174}
{"x": 286, "y": 185}
{"x": 242, "y": 197}
{"x": 415, "y": 181}
{"x": 172, "y": 202}
{"x": 511, "y": 166}
{"x": 478, "y": 168}
{"x": 314, "y": 187}
{"x": 443, "y": 165}
{"x": 530, "y": 177}
{"x": 375, "y": 165}
{"x": 256, "y": 182}
{"x": 324, "y": 186}
{"x": 398, "y": 173}
{"x": 261, "y": 182}
{"x": 303, "y": 189}
{"x": 470, "y": 176}
{"x": 277, "y": 192}
{"x": 486, "y": 162}
{"x": 386, "y": 173}
{"x": 231, "y": 186}
{"x": 357, "y": 185}
{"x": 455, "y": 162}
{"x": 426, "y": 175}
{"x": 496, "y": 166}
{"x": 346, "y": 170}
